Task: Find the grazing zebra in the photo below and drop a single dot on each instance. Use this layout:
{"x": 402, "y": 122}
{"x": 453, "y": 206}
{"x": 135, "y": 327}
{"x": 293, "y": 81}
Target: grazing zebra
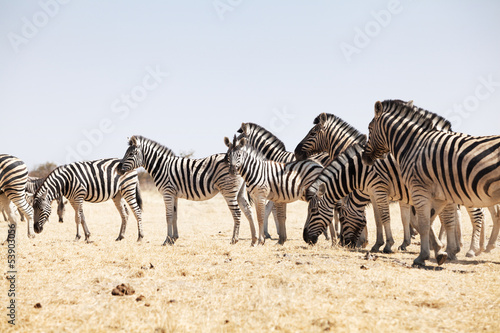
{"x": 438, "y": 167}
{"x": 273, "y": 149}
{"x": 13, "y": 177}
{"x": 91, "y": 181}
{"x": 192, "y": 179}
{"x": 33, "y": 184}
{"x": 269, "y": 180}
{"x": 344, "y": 175}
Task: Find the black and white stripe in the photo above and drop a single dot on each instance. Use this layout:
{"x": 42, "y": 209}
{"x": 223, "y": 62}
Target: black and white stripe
{"x": 191, "y": 179}
{"x": 269, "y": 180}
{"x": 13, "y": 178}
{"x": 91, "y": 181}
{"x": 439, "y": 167}
{"x": 33, "y": 184}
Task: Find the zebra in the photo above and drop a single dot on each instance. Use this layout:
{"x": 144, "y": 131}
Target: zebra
{"x": 13, "y": 177}
{"x": 346, "y": 174}
{"x": 91, "y": 181}
{"x": 273, "y": 149}
{"x": 191, "y": 179}
{"x": 269, "y": 180}
{"x": 439, "y": 167}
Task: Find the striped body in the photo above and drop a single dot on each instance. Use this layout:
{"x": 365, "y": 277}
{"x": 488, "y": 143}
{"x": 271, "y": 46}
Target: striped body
{"x": 281, "y": 183}
{"x": 439, "y": 167}
{"x": 91, "y": 181}
{"x": 191, "y": 179}
{"x": 13, "y": 178}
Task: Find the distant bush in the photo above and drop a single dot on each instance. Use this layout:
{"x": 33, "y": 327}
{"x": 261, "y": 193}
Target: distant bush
{"x": 186, "y": 153}
{"x": 146, "y": 181}
{"x": 43, "y": 170}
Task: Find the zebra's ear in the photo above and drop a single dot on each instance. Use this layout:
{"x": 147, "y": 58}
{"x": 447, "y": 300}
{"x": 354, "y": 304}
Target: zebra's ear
{"x": 243, "y": 128}
{"x": 227, "y": 142}
{"x": 323, "y": 118}
{"x": 132, "y": 141}
{"x": 321, "y": 190}
{"x": 242, "y": 142}
{"x": 410, "y": 103}
{"x": 378, "y": 109}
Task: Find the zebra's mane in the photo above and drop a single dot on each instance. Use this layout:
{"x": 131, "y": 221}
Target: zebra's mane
{"x": 155, "y": 145}
{"x": 426, "y": 119}
{"x": 264, "y": 135}
{"x": 337, "y": 122}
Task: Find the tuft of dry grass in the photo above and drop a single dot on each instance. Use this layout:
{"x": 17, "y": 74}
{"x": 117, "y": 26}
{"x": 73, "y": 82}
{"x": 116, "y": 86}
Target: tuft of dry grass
{"x": 203, "y": 283}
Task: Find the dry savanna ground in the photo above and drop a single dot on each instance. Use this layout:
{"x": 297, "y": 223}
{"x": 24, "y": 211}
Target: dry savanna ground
{"x": 204, "y": 284}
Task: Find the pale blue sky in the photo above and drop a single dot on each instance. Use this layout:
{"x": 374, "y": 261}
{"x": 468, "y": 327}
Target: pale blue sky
{"x": 66, "y": 69}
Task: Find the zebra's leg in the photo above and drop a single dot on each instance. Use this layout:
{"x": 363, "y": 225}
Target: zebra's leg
{"x": 260, "y": 206}
{"x": 131, "y": 196}
{"x": 5, "y": 218}
{"x": 247, "y": 210}
{"x": 174, "y": 222}
{"x": 281, "y": 210}
{"x": 423, "y": 207}
{"x": 477, "y": 218}
{"x": 495, "y": 216}
{"x": 382, "y": 220}
{"x": 269, "y": 209}
{"x": 11, "y": 217}
{"x": 405, "y": 219}
{"x": 120, "y": 206}
{"x": 19, "y": 199}
{"x": 77, "y": 205}
{"x": 232, "y": 203}
{"x": 169, "y": 207}
{"x": 448, "y": 217}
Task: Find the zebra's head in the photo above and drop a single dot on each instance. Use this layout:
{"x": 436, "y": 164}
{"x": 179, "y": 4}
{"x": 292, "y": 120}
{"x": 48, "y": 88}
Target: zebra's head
{"x": 235, "y": 154}
{"x": 377, "y": 146}
{"x": 315, "y": 141}
{"x": 133, "y": 158}
{"x": 319, "y": 214}
{"x": 41, "y": 209}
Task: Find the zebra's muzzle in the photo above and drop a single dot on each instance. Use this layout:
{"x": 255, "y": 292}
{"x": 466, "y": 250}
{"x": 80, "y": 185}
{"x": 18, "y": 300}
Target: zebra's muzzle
{"x": 309, "y": 239}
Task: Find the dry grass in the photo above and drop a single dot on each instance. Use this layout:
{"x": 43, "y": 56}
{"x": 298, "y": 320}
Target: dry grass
{"x": 204, "y": 284}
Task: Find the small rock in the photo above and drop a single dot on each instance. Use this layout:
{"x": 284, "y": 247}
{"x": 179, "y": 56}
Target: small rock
{"x": 364, "y": 267}
{"x": 140, "y": 298}
{"x": 123, "y": 289}
{"x": 38, "y": 306}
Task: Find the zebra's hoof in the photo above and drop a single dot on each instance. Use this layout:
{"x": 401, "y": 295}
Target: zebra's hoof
{"x": 77, "y": 238}
{"x": 441, "y": 258}
{"x": 140, "y": 238}
{"x": 470, "y": 254}
{"x": 119, "y": 238}
{"x": 169, "y": 241}
{"x": 31, "y": 236}
{"x": 234, "y": 241}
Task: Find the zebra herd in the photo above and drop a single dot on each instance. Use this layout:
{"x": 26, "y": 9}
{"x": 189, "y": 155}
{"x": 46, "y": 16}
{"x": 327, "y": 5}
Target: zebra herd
{"x": 411, "y": 155}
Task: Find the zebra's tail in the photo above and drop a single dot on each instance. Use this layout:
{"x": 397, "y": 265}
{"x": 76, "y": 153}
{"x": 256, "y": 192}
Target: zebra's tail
{"x": 138, "y": 197}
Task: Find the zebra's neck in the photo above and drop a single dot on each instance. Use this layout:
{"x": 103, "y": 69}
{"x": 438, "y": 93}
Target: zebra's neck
{"x": 55, "y": 184}
{"x": 348, "y": 172}
{"x": 154, "y": 156}
{"x": 400, "y": 144}
{"x": 268, "y": 145}
{"x": 252, "y": 166}
{"x": 340, "y": 136}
